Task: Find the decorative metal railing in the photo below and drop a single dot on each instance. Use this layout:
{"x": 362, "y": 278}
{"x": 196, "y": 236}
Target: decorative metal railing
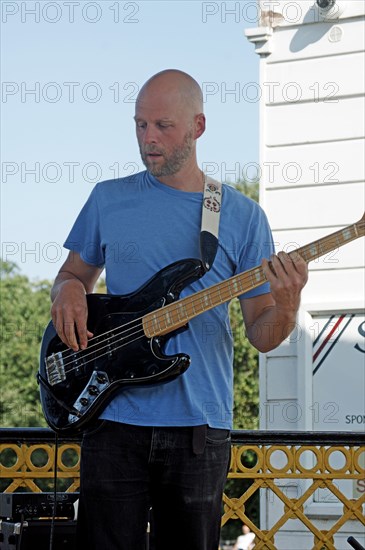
{"x": 310, "y": 463}
{"x": 313, "y": 463}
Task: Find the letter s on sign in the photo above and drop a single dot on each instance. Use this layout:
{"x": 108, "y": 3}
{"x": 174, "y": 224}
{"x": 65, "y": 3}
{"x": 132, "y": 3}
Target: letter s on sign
{"x": 361, "y": 330}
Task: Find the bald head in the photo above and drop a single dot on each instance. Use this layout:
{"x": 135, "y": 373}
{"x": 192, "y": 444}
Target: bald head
{"x": 169, "y": 119}
{"x": 176, "y": 85}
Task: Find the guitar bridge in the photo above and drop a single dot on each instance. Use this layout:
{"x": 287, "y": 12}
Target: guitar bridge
{"x": 55, "y": 368}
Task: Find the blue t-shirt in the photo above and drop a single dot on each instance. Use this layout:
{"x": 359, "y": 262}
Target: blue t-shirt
{"x": 135, "y": 226}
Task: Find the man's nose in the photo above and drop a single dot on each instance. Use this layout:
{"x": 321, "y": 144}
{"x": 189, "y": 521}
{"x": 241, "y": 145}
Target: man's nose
{"x": 150, "y": 134}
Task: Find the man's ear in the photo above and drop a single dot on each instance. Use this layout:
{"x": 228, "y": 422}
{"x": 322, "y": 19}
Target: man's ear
{"x": 199, "y": 125}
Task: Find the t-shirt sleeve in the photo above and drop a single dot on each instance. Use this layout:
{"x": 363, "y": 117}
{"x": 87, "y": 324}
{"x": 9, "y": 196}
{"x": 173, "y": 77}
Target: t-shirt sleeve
{"x": 259, "y": 244}
{"x": 84, "y": 236}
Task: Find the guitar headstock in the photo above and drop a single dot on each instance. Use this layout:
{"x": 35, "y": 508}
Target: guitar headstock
{"x": 360, "y": 226}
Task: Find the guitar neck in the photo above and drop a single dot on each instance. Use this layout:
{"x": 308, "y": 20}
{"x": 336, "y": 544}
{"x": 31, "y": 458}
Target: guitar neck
{"x": 175, "y": 315}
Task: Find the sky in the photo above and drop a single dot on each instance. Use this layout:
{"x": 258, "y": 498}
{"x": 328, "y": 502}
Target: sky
{"x": 70, "y": 74}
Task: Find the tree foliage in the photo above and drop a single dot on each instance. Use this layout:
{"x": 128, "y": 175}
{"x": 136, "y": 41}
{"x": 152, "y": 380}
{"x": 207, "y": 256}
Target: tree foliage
{"x": 245, "y": 368}
{"x": 245, "y": 399}
{"x": 24, "y": 310}
{"x": 245, "y": 365}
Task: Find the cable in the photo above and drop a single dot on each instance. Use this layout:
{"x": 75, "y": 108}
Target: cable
{"x": 355, "y": 544}
{"x": 23, "y": 523}
{"x": 51, "y": 536}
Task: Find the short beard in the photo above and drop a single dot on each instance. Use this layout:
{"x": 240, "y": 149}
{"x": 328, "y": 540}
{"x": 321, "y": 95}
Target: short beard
{"x": 174, "y": 162}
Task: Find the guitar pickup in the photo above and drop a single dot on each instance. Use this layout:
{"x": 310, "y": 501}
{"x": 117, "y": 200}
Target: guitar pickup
{"x": 98, "y": 382}
{"x": 55, "y": 368}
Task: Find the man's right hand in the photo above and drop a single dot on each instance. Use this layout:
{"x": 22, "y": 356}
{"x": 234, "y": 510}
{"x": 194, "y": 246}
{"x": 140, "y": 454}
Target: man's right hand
{"x": 69, "y": 308}
{"x": 69, "y": 314}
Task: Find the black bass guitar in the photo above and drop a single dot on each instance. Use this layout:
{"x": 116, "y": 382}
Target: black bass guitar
{"x": 130, "y": 332}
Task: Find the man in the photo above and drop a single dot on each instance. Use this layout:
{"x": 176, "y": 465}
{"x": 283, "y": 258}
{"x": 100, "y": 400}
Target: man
{"x": 245, "y": 541}
{"x": 167, "y": 445}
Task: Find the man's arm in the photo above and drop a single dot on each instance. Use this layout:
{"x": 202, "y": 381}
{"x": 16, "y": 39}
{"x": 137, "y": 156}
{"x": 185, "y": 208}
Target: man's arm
{"x": 69, "y": 308}
{"x": 270, "y": 318}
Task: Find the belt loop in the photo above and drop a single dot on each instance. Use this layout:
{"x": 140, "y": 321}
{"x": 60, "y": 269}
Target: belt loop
{"x": 199, "y": 437}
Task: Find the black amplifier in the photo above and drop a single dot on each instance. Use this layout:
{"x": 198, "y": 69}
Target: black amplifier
{"x": 37, "y": 534}
{"x": 25, "y": 506}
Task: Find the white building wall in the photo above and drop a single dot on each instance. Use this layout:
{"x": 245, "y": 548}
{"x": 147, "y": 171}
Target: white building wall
{"x": 312, "y": 142}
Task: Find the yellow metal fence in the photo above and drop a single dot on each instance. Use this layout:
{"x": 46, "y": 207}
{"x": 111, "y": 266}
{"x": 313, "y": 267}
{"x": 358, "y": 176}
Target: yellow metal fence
{"x": 300, "y": 477}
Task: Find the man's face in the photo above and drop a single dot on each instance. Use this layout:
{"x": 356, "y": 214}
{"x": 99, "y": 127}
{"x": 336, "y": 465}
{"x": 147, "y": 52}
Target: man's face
{"x": 164, "y": 128}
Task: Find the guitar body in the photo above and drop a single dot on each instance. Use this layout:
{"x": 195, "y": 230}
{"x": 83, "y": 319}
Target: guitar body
{"x": 76, "y": 386}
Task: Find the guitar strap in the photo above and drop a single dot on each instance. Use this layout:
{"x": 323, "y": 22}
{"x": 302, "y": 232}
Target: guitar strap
{"x": 211, "y": 209}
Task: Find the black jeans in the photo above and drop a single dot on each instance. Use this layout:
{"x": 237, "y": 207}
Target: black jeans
{"x": 126, "y": 469}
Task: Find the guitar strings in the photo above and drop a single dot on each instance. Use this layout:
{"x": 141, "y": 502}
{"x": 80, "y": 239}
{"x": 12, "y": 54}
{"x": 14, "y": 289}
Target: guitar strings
{"x": 106, "y": 353}
{"x": 70, "y": 351}
{"x": 106, "y": 343}
{"x": 160, "y": 313}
